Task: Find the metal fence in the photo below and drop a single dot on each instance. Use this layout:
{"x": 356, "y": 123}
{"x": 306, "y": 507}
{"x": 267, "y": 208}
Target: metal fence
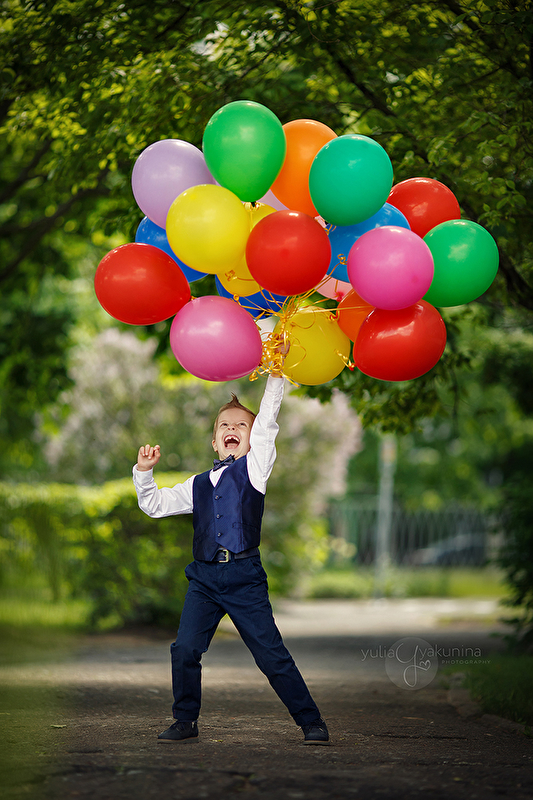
{"x": 454, "y": 536}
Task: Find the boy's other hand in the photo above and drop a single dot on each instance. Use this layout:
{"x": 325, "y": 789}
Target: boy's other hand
{"x": 148, "y": 457}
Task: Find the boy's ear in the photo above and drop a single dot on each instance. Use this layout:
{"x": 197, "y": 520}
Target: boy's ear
{"x": 214, "y": 446}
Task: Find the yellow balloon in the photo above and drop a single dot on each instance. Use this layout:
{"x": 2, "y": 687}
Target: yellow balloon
{"x": 238, "y": 279}
{"x": 258, "y": 212}
{"x": 208, "y": 227}
{"x": 318, "y": 350}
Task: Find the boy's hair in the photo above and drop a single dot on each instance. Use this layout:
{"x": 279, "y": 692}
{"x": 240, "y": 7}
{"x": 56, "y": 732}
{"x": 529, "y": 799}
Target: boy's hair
{"x": 233, "y": 403}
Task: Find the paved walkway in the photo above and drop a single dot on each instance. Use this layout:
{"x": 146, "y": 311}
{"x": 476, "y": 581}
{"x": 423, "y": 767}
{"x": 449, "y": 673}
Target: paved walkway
{"x": 374, "y": 667}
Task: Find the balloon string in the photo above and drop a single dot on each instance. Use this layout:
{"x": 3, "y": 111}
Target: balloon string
{"x": 272, "y": 359}
{"x": 347, "y": 362}
{"x": 232, "y": 275}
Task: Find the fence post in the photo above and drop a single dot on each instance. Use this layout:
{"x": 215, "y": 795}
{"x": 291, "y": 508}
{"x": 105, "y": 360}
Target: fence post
{"x": 387, "y": 466}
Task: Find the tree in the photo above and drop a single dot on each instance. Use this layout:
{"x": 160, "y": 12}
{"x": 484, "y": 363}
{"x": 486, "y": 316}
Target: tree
{"x": 469, "y": 455}
{"x": 72, "y": 124}
{"x": 444, "y": 86}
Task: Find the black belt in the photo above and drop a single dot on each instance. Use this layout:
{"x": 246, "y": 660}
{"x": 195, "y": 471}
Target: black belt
{"x": 223, "y": 556}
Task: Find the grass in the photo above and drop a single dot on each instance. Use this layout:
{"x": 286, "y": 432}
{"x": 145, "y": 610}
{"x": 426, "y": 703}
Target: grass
{"x": 32, "y": 627}
{"x": 33, "y": 631}
{"x": 358, "y": 583}
{"x": 502, "y": 685}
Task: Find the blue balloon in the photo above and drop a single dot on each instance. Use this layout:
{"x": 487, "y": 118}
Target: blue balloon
{"x": 343, "y": 237}
{"x": 150, "y": 233}
{"x": 261, "y": 304}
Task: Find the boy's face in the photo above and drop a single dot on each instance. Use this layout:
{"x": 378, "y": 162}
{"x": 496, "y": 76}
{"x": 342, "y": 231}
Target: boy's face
{"x": 232, "y": 433}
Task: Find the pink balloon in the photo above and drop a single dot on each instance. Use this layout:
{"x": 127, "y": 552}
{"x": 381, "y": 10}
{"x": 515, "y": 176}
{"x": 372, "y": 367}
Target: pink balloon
{"x": 390, "y": 267}
{"x": 334, "y": 289}
{"x": 215, "y": 339}
{"x": 162, "y": 172}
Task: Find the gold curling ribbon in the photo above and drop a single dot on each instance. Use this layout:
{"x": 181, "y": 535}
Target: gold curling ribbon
{"x": 346, "y": 360}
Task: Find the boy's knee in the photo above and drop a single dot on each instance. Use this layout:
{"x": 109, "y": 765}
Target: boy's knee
{"x": 186, "y": 651}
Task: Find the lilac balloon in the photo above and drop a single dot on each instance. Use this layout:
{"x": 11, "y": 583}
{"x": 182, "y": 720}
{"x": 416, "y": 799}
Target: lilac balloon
{"x": 215, "y": 339}
{"x": 162, "y": 172}
{"x": 390, "y": 267}
{"x": 270, "y": 199}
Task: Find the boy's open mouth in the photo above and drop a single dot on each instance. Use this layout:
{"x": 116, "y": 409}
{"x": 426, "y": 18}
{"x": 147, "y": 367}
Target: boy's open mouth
{"x": 231, "y": 441}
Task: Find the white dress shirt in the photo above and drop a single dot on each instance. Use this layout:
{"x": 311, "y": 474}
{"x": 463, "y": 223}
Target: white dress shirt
{"x": 260, "y": 460}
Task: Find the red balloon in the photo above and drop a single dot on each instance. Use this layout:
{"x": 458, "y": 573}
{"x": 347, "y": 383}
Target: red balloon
{"x": 140, "y": 284}
{"x": 400, "y": 345}
{"x": 425, "y": 203}
{"x": 288, "y": 252}
{"x": 351, "y": 313}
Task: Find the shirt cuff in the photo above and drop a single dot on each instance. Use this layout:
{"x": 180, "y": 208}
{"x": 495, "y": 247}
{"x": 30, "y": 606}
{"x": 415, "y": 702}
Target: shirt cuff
{"x": 142, "y": 477}
{"x": 275, "y": 382}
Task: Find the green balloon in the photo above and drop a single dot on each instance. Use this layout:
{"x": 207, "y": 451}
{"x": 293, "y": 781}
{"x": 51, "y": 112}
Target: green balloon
{"x": 350, "y": 179}
{"x": 466, "y": 262}
{"x": 244, "y": 147}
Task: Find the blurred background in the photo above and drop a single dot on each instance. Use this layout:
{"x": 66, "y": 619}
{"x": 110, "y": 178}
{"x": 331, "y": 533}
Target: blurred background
{"x": 380, "y": 489}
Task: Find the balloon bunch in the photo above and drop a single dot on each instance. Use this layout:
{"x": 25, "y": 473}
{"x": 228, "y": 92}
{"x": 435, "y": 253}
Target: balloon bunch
{"x": 283, "y": 215}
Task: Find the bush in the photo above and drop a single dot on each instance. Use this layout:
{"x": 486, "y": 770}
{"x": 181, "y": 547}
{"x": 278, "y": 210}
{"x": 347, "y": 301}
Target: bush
{"x": 516, "y": 559}
{"x": 96, "y": 543}
{"x": 502, "y": 686}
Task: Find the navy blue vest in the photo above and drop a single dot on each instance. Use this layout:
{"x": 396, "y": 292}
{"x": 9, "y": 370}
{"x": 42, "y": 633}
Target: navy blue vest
{"x": 226, "y": 515}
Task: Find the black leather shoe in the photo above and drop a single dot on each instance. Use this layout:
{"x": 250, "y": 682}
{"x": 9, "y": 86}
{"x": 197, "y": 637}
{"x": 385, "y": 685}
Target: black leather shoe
{"x": 316, "y": 732}
{"x": 179, "y": 731}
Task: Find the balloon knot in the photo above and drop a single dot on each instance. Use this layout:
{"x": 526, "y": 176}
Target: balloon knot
{"x": 346, "y": 360}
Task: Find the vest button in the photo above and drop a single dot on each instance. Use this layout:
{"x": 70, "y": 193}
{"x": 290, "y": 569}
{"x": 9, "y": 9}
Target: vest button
{"x": 218, "y": 516}
{"x": 217, "y": 497}
{"x": 219, "y": 534}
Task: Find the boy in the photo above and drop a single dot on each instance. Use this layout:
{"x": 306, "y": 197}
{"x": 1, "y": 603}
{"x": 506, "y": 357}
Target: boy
{"x": 226, "y": 575}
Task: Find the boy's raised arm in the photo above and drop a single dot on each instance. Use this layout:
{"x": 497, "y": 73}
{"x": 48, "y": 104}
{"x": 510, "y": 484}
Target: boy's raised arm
{"x": 154, "y": 501}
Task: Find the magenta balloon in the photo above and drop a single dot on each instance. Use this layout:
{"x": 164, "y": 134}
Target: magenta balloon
{"x": 216, "y": 339}
{"x": 390, "y": 267}
{"x": 162, "y": 172}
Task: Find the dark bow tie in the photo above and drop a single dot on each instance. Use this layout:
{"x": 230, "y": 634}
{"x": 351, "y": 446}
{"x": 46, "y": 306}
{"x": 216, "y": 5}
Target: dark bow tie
{"x": 217, "y": 463}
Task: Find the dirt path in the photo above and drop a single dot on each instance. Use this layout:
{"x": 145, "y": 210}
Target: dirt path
{"x": 95, "y": 716}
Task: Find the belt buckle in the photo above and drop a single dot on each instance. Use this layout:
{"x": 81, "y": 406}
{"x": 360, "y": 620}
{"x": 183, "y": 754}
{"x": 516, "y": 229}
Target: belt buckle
{"x": 226, "y": 555}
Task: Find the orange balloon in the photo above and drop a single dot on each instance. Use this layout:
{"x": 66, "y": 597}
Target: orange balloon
{"x": 305, "y": 137}
{"x": 351, "y": 313}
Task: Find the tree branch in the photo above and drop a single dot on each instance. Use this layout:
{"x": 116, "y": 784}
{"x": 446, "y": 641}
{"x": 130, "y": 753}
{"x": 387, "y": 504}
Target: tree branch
{"x": 25, "y": 173}
{"x": 491, "y": 42}
{"x": 517, "y": 286}
{"x": 44, "y": 225}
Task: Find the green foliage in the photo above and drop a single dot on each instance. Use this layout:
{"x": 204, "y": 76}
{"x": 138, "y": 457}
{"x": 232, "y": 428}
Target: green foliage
{"x": 516, "y": 558}
{"x": 444, "y": 87}
{"x": 354, "y": 584}
{"x": 502, "y": 686}
{"x": 95, "y": 543}
{"x": 459, "y": 454}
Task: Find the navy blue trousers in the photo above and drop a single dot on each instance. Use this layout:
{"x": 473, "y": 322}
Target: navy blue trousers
{"x": 239, "y": 589}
